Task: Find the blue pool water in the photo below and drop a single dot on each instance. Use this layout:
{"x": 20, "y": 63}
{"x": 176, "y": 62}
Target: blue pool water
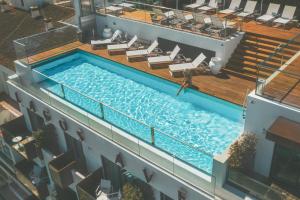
{"x": 192, "y": 119}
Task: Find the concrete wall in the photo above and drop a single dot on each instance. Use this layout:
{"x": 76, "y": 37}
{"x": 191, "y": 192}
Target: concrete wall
{"x": 260, "y": 115}
{"x": 4, "y": 73}
{"x": 28, "y": 3}
{"x": 223, "y": 49}
{"x": 95, "y": 145}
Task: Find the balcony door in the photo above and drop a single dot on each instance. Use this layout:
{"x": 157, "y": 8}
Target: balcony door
{"x": 75, "y": 147}
{"x": 286, "y": 168}
{"x": 36, "y": 121}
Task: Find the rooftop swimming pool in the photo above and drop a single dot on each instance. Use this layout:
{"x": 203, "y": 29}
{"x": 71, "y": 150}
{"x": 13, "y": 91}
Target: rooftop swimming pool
{"x": 192, "y": 126}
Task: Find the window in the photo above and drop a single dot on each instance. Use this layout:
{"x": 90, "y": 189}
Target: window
{"x": 285, "y": 168}
{"x": 164, "y": 197}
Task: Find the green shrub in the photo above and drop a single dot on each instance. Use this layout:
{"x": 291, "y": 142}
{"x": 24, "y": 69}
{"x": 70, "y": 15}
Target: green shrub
{"x": 132, "y": 192}
{"x": 40, "y": 139}
{"x": 242, "y": 152}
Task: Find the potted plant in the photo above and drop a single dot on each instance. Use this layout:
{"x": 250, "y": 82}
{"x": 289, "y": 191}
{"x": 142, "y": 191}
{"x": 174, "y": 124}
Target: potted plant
{"x": 132, "y": 192}
{"x": 40, "y": 141}
{"x": 242, "y": 153}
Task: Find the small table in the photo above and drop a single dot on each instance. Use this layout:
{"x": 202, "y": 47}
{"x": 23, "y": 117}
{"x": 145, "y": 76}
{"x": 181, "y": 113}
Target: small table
{"x": 16, "y": 140}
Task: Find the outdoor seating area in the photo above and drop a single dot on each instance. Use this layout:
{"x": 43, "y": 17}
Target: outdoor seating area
{"x": 156, "y": 58}
{"x": 199, "y": 17}
{"x": 95, "y": 186}
{"x": 33, "y": 177}
{"x": 15, "y": 131}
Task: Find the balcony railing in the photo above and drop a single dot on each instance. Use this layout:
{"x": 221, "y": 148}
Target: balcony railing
{"x": 254, "y": 187}
{"x": 283, "y": 84}
{"x": 143, "y": 147}
{"x": 32, "y": 49}
{"x": 61, "y": 169}
{"x": 36, "y": 183}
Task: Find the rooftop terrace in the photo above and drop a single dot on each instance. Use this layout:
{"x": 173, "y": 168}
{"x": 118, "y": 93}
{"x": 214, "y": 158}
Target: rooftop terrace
{"x": 260, "y": 41}
{"x": 19, "y": 24}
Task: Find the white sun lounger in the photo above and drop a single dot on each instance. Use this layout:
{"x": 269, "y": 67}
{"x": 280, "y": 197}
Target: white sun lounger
{"x": 248, "y": 10}
{"x": 126, "y": 5}
{"x": 213, "y": 4}
{"x": 178, "y": 68}
{"x": 195, "y": 5}
{"x": 164, "y": 59}
{"x": 233, "y": 7}
{"x": 114, "y": 9}
{"x": 121, "y": 47}
{"x": 287, "y": 15}
{"x": 270, "y": 14}
{"x": 142, "y": 52}
{"x": 116, "y": 34}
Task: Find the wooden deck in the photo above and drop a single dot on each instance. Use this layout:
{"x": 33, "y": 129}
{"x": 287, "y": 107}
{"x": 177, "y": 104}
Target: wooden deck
{"x": 227, "y": 87}
{"x": 285, "y": 87}
{"x": 247, "y": 26}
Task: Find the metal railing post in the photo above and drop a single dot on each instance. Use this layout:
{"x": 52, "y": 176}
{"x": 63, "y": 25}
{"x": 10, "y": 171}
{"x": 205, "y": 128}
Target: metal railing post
{"x": 102, "y": 110}
{"x": 62, "y": 90}
{"x": 152, "y": 136}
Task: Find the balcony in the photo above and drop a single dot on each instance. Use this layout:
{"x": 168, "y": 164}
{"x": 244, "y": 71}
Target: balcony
{"x": 14, "y": 128}
{"x": 61, "y": 169}
{"x": 255, "y": 185}
{"x": 26, "y": 148}
{"x": 86, "y": 189}
{"x": 33, "y": 178}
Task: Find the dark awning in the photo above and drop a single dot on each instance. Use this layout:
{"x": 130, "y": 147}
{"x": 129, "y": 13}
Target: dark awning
{"x": 285, "y": 132}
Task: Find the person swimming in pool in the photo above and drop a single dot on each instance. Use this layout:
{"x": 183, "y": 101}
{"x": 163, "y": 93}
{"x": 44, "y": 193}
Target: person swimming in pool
{"x": 187, "y": 81}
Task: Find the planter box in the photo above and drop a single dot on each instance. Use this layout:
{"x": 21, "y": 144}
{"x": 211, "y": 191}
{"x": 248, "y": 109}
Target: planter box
{"x": 87, "y": 187}
{"x": 61, "y": 169}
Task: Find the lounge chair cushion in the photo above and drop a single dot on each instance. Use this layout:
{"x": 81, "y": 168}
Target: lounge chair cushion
{"x": 98, "y": 42}
{"x": 194, "y": 5}
{"x": 266, "y": 18}
{"x": 117, "y": 46}
{"x": 197, "y": 4}
{"x": 134, "y": 53}
{"x": 181, "y": 67}
{"x": 159, "y": 59}
{"x": 113, "y": 8}
{"x": 250, "y": 6}
{"x": 126, "y": 5}
{"x": 205, "y": 8}
{"x": 227, "y": 11}
{"x": 244, "y": 14}
{"x": 281, "y": 20}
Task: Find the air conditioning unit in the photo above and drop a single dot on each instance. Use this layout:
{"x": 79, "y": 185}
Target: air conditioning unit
{"x": 35, "y": 12}
{"x": 48, "y": 24}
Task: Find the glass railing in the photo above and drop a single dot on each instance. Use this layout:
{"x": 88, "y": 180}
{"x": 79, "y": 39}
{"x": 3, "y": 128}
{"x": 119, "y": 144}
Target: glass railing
{"x": 144, "y": 139}
{"x": 32, "y": 49}
{"x": 281, "y": 84}
{"x": 255, "y": 187}
{"x": 189, "y": 20}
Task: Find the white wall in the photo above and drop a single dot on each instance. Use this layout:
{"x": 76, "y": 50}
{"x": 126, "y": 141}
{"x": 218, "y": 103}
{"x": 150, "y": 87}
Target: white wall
{"x": 4, "y": 73}
{"x": 223, "y": 49}
{"x": 28, "y": 3}
{"x": 260, "y": 115}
